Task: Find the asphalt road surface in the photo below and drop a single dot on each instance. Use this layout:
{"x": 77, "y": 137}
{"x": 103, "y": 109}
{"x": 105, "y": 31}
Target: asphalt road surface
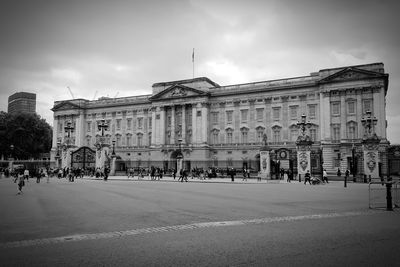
{"x": 152, "y": 223}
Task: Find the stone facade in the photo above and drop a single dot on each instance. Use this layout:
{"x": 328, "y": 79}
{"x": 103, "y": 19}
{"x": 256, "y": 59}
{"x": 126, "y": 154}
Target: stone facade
{"x": 223, "y": 126}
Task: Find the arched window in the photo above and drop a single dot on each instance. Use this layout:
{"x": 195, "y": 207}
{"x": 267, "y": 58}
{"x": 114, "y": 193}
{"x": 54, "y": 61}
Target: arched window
{"x": 276, "y": 134}
{"x": 260, "y": 134}
{"x": 352, "y": 130}
{"x": 244, "y": 135}
{"x": 139, "y": 139}
{"x": 214, "y": 136}
{"x": 229, "y": 136}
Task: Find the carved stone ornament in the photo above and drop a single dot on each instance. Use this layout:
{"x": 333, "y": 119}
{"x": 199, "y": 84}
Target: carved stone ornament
{"x": 303, "y": 160}
{"x": 178, "y": 92}
{"x": 371, "y": 161}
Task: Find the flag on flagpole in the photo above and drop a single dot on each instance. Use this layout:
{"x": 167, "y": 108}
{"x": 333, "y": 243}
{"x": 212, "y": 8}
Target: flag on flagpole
{"x": 193, "y": 55}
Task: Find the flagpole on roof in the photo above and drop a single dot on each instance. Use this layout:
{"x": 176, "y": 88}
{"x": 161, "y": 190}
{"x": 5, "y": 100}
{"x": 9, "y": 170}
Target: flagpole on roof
{"x": 193, "y": 62}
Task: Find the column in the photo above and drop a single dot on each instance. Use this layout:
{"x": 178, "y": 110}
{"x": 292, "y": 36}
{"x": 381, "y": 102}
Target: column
{"x": 194, "y": 124}
{"x": 343, "y": 125}
{"x": 173, "y": 140}
{"x": 183, "y": 124}
{"x": 79, "y": 136}
{"x": 162, "y": 126}
{"x": 55, "y": 131}
{"x": 204, "y": 123}
{"x": 324, "y": 109}
{"x": 153, "y": 126}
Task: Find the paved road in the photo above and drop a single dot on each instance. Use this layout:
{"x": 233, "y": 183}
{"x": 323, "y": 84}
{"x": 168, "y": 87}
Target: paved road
{"x": 151, "y": 223}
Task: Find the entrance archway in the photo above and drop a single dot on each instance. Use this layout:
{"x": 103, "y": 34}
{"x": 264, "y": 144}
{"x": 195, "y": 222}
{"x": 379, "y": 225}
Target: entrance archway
{"x": 83, "y": 157}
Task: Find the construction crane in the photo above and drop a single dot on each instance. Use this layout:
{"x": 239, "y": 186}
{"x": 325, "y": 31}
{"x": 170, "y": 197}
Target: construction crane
{"x": 69, "y": 89}
{"x": 95, "y": 94}
{"x": 116, "y": 95}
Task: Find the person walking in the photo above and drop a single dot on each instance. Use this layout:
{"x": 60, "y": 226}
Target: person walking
{"x": 287, "y": 176}
{"x": 325, "y": 176}
{"x": 232, "y": 173}
{"x": 26, "y": 174}
{"x": 244, "y": 174}
{"x": 307, "y": 177}
{"x": 19, "y": 180}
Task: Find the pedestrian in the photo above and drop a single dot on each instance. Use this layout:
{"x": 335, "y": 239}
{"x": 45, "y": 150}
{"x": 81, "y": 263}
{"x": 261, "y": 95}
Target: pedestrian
{"x": 339, "y": 173}
{"x": 307, "y": 177}
{"x": 244, "y": 174}
{"x": 26, "y": 174}
{"x": 19, "y": 180}
{"x": 287, "y": 176}
{"x": 105, "y": 173}
{"x": 232, "y": 173}
{"x": 325, "y": 177}
{"x": 347, "y": 174}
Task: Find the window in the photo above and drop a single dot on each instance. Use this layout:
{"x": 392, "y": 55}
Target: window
{"x": 149, "y": 139}
{"x": 118, "y": 144}
{"x": 244, "y": 114}
{"x": 311, "y": 111}
{"x": 244, "y": 136}
{"x": 294, "y": 134}
{"x": 260, "y": 114}
{"x": 89, "y": 126}
{"x": 128, "y": 140}
{"x": 140, "y": 123}
{"x": 199, "y": 113}
{"x": 169, "y": 121}
{"x": 215, "y": 137}
{"x": 276, "y": 113}
{"x": 229, "y": 135}
{"x": 214, "y": 116}
{"x": 139, "y": 140}
{"x": 229, "y": 116}
{"x": 129, "y": 124}
{"x": 367, "y": 105}
{"x": 351, "y": 107}
{"x": 293, "y": 112}
{"x": 260, "y": 134}
{"x": 189, "y": 136}
{"x": 313, "y": 134}
{"x": 336, "y": 108}
{"x": 229, "y": 162}
{"x": 150, "y": 120}
{"x": 336, "y": 133}
{"x": 352, "y": 130}
{"x": 118, "y": 124}
{"x": 276, "y": 135}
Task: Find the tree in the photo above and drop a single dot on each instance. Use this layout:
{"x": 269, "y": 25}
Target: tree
{"x": 28, "y": 133}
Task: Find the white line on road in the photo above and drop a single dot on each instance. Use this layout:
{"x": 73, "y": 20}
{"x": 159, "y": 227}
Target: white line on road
{"x": 142, "y": 231}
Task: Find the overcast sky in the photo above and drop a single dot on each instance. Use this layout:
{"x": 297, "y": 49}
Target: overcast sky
{"x": 120, "y": 48}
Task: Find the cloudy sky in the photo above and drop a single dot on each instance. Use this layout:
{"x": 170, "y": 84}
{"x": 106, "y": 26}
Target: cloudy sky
{"x": 120, "y": 48}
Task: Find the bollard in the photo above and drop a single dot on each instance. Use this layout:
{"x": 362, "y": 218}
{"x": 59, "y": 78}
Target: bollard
{"x": 389, "y": 196}
{"x": 345, "y": 181}
{"x": 299, "y": 178}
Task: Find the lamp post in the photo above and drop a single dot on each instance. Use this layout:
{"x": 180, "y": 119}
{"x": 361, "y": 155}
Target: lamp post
{"x": 321, "y": 161}
{"x": 12, "y": 151}
{"x": 113, "y": 151}
{"x": 103, "y": 126}
{"x": 303, "y": 143}
{"x": 353, "y": 160}
{"x": 69, "y": 129}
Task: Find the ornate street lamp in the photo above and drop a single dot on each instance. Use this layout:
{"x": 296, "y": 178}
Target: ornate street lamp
{"x": 12, "y": 151}
{"x": 303, "y": 124}
{"x": 69, "y": 128}
{"x": 113, "y": 151}
{"x": 369, "y": 123}
{"x": 103, "y": 126}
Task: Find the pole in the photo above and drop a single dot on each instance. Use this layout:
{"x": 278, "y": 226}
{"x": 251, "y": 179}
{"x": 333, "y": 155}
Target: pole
{"x": 353, "y": 158}
{"x": 193, "y": 63}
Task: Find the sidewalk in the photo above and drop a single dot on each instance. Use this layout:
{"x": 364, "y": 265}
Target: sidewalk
{"x": 226, "y": 180}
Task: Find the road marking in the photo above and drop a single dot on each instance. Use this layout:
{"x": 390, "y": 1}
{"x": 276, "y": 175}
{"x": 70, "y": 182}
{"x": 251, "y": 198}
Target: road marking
{"x": 143, "y": 231}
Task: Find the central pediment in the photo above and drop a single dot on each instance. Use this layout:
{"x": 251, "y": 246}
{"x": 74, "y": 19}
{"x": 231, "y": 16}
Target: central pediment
{"x": 351, "y": 73}
{"x": 65, "y": 105}
{"x": 177, "y": 91}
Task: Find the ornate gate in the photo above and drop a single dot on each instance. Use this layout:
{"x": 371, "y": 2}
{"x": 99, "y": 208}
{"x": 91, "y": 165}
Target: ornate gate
{"x": 83, "y": 157}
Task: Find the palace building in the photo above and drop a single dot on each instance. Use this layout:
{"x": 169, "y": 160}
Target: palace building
{"x": 220, "y": 126}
